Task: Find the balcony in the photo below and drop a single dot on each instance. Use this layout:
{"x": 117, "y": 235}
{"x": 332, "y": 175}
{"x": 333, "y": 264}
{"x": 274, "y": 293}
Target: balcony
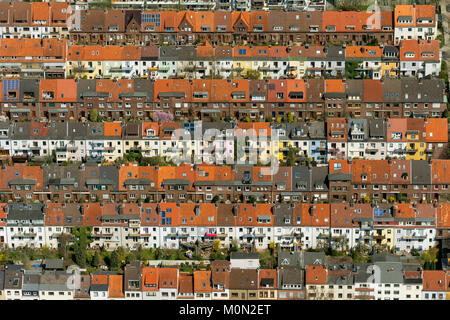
{"x": 413, "y": 237}
{"x": 101, "y": 235}
{"x": 163, "y": 69}
{"x": 134, "y": 234}
{"x": 83, "y": 69}
{"x": 25, "y": 234}
{"x": 134, "y": 224}
{"x": 120, "y": 69}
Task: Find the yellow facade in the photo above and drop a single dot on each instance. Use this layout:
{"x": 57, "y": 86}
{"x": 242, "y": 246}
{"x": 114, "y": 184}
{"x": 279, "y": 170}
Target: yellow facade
{"x": 389, "y": 69}
{"x": 84, "y": 69}
{"x": 416, "y": 151}
{"x": 388, "y": 233}
{"x": 244, "y": 65}
{"x": 384, "y": 237}
{"x": 283, "y": 149}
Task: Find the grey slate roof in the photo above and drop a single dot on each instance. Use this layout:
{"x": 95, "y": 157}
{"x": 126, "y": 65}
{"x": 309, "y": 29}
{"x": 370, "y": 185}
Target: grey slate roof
{"x": 317, "y": 130}
{"x": 421, "y": 172}
{"x": 300, "y": 178}
{"x": 355, "y": 88}
{"x": 390, "y": 272}
{"x": 300, "y": 259}
{"x": 282, "y": 213}
{"x": 53, "y": 264}
{"x": 318, "y": 178}
{"x": 377, "y": 128}
{"x": 361, "y": 272}
{"x": 175, "y": 181}
{"x": 30, "y": 211}
{"x": 54, "y": 281}
{"x": 290, "y": 275}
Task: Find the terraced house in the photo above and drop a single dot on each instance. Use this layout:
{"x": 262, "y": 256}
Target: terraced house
{"x": 208, "y": 127}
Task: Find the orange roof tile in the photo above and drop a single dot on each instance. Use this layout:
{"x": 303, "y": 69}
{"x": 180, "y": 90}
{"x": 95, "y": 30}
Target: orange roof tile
{"x": 339, "y": 166}
{"x": 57, "y": 90}
{"x": 334, "y": 85}
{"x": 116, "y": 286}
{"x": 99, "y": 279}
{"x": 92, "y": 213}
{"x": 443, "y": 215}
{"x": 363, "y": 52}
{"x": 434, "y": 280}
{"x": 40, "y": 13}
{"x": 150, "y": 279}
{"x": 267, "y": 274}
{"x": 54, "y": 214}
{"x": 419, "y": 50}
{"x": 168, "y": 278}
{"x": 404, "y": 11}
{"x": 313, "y": 215}
{"x": 315, "y": 274}
{"x": 440, "y": 171}
{"x": 202, "y": 281}
{"x": 436, "y": 130}
{"x": 396, "y": 129}
{"x": 185, "y": 284}
{"x": 113, "y": 129}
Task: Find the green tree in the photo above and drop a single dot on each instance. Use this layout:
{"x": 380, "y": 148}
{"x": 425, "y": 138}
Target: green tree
{"x": 429, "y": 258}
{"x": 80, "y": 257}
{"x": 290, "y": 158}
{"x": 64, "y": 239}
{"x": 114, "y": 261}
{"x": 93, "y": 115}
{"x": 351, "y": 69}
{"x": 82, "y": 237}
{"x": 350, "y": 5}
{"x": 96, "y": 259}
{"x": 216, "y": 245}
{"x": 131, "y": 257}
{"x": 253, "y": 74}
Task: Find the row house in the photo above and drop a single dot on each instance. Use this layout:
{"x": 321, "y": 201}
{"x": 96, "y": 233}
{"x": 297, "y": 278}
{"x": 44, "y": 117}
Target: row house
{"x": 420, "y": 58}
{"x": 416, "y": 58}
{"x": 244, "y": 5}
{"x": 211, "y": 99}
{"x": 34, "y": 20}
{"x": 343, "y": 226}
{"x": 25, "y": 225}
{"x": 385, "y": 278}
{"x": 108, "y": 62}
{"x": 407, "y": 138}
{"x": 32, "y": 58}
{"x": 183, "y": 27}
{"x": 341, "y": 180}
{"x": 414, "y": 22}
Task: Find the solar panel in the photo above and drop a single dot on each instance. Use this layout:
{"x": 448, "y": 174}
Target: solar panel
{"x": 379, "y": 212}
